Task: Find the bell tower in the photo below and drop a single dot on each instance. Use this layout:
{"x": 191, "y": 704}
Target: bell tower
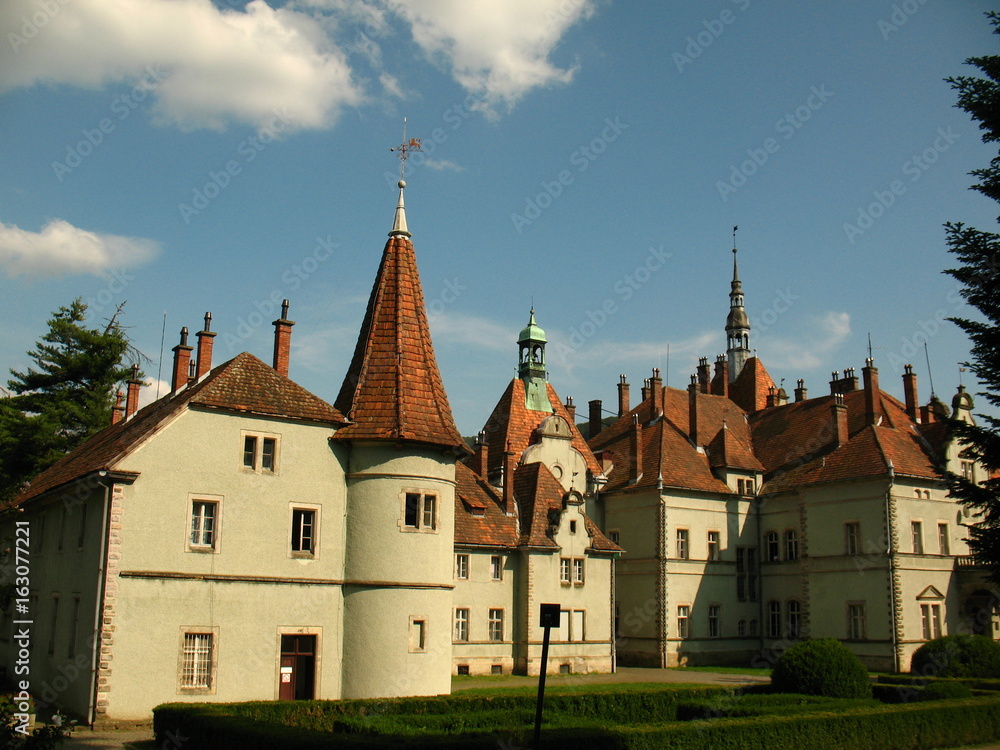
{"x": 531, "y": 365}
{"x": 737, "y": 324}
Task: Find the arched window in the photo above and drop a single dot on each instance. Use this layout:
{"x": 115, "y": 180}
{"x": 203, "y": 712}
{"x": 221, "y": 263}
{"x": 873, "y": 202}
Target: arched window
{"x": 741, "y": 628}
{"x": 794, "y": 618}
{"x": 773, "y": 551}
{"x": 774, "y": 619}
{"x": 791, "y": 545}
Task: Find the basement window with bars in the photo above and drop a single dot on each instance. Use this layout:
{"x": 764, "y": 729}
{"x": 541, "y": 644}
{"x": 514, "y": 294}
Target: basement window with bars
{"x": 197, "y": 661}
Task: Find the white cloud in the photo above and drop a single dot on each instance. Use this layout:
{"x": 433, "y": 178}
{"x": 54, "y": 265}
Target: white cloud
{"x": 807, "y": 352}
{"x": 60, "y": 249}
{"x": 212, "y": 66}
{"x": 442, "y": 164}
{"x": 450, "y": 328}
{"x": 570, "y": 353}
{"x": 498, "y": 50}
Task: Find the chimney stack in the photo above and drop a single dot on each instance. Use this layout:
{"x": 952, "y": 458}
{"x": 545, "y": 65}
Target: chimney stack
{"x": 282, "y": 340}
{"x": 509, "y": 465}
{"x": 645, "y": 389}
{"x": 656, "y": 391}
{"x": 704, "y": 375}
{"x": 772, "y": 397}
{"x": 839, "y": 413}
{"x": 623, "y": 398}
{"x": 693, "y": 389}
{"x": 480, "y": 461}
{"x": 720, "y": 383}
{"x": 182, "y": 356}
{"x": 118, "y": 410}
{"x": 206, "y": 340}
{"x": 910, "y": 392}
{"x": 872, "y": 400}
{"x": 132, "y": 400}
{"x": 800, "y": 391}
{"x": 635, "y": 451}
{"x": 571, "y": 408}
{"x": 595, "y": 418}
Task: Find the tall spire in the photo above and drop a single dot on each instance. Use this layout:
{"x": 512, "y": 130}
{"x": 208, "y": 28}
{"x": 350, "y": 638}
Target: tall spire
{"x": 399, "y": 222}
{"x": 737, "y": 323}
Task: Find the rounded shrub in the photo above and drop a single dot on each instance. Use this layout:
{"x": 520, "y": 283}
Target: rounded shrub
{"x": 939, "y": 691}
{"x": 821, "y": 667}
{"x": 957, "y": 656}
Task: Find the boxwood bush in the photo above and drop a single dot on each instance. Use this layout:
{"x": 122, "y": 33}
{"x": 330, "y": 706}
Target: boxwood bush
{"x": 938, "y": 691}
{"x": 957, "y": 656}
{"x": 821, "y": 667}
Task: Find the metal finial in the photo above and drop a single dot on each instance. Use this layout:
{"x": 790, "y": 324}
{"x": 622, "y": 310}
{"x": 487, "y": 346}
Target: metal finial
{"x": 404, "y": 149}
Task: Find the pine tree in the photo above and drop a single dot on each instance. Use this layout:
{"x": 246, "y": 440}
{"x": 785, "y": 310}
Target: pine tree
{"x": 979, "y": 274}
{"x": 64, "y": 399}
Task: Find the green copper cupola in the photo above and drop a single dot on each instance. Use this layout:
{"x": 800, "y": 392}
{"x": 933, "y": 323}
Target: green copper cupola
{"x": 531, "y": 365}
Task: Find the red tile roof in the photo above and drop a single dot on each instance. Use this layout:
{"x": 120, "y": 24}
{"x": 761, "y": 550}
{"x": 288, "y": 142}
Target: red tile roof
{"x": 750, "y": 388}
{"x": 473, "y": 496}
{"x": 393, "y": 389}
{"x": 243, "y": 384}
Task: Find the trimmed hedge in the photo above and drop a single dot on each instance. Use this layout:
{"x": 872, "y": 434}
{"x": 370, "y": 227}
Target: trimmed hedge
{"x": 821, "y": 667}
{"x": 784, "y": 704}
{"x": 957, "y": 656}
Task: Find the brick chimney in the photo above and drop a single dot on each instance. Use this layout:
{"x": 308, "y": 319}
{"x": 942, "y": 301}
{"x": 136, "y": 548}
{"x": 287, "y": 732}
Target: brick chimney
{"x": 509, "y": 465}
{"x": 132, "y": 400}
{"x": 182, "y": 358}
{"x": 772, "y": 397}
{"x": 693, "y": 389}
{"x": 872, "y": 400}
{"x": 720, "y": 383}
{"x": 839, "y": 414}
{"x": 206, "y": 340}
{"x": 282, "y": 340}
{"x": 910, "y": 392}
{"x": 800, "y": 391}
{"x": 480, "y": 461}
{"x": 635, "y": 451}
{"x": 704, "y": 375}
{"x": 571, "y": 408}
{"x": 623, "y": 397}
{"x": 595, "y": 418}
{"x": 656, "y": 391}
{"x": 118, "y": 410}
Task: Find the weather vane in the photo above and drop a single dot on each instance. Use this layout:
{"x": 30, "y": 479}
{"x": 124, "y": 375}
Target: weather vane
{"x": 734, "y": 238}
{"x": 404, "y": 149}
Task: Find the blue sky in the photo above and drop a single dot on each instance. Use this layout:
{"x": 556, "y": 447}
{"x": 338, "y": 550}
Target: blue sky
{"x": 587, "y": 157}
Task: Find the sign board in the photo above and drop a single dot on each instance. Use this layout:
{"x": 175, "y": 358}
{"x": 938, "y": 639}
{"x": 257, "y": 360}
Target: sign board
{"x": 549, "y": 616}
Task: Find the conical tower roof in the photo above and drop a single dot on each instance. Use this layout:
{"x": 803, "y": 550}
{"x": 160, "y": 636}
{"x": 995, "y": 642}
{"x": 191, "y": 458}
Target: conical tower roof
{"x": 393, "y": 389}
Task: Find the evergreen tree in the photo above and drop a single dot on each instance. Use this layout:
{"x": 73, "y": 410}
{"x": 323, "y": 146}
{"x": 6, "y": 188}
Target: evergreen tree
{"x": 64, "y": 399}
{"x": 979, "y": 274}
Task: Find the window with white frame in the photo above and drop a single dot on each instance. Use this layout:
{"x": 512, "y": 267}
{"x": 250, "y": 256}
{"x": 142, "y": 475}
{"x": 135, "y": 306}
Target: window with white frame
{"x": 461, "y": 566}
{"x": 791, "y": 544}
{"x": 772, "y": 546}
{"x": 917, "y": 537}
{"x": 930, "y": 620}
{"x": 204, "y": 525}
{"x": 461, "y": 624}
{"x": 260, "y": 452}
{"x": 578, "y": 570}
{"x": 944, "y": 539}
{"x": 856, "y": 622}
{"x": 713, "y": 620}
{"x": 852, "y": 538}
{"x": 713, "y": 545}
{"x": 564, "y": 570}
{"x": 794, "y": 621}
{"x": 419, "y": 511}
{"x": 196, "y": 661}
{"x": 682, "y": 544}
{"x": 683, "y": 620}
{"x": 303, "y": 532}
{"x": 496, "y": 567}
{"x": 745, "y": 486}
{"x": 774, "y": 619}
{"x": 496, "y": 625}
{"x": 969, "y": 470}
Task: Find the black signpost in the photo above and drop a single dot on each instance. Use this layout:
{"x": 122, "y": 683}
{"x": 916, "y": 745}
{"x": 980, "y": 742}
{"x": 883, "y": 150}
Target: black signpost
{"x": 549, "y": 620}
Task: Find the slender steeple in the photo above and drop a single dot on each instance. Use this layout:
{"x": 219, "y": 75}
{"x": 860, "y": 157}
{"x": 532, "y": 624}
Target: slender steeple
{"x": 399, "y": 222}
{"x": 531, "y": 365}
{"x": 737, "y": 323}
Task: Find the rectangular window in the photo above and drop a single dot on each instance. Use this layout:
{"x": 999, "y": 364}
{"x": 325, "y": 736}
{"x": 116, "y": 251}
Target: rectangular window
{"x": 578, "y": 571}
{"x": 62, "y": 530}
{"x": 682, "y": 544}
{"x": 564, "y": 570}
{"x": 196, "y": 671}
{"x": 713, "y": 545}
{"x": 943, "y": 539}
{"x": 614, "y": 536}
{"x": 713, "y": 620}
{"x": 856, "y": 627}
{"x": 260, "y": 453}
{"x": 81, "y": 533}
{"x": 74, "y": 628}
{"x": 745, "y": 486}
{"x": 773, "y": 546}
{"x": 930, "y": 619}
{"x": 203, "y": 521}
{"x": 461, "y": 624}
{"x": 794, "y": 618}
{"x": 496, "y": 567}
{"x": 420, "y": 511}
{"x": 969, "y": 470}
{"x": 268, "y": 454}
{"x": 496, "y": 624}
{"x": 791, "y": 545}
{"x": 917, "y": 535}
{"x": 461, "y": 566}
{"x": 52, "y": 625}
{"x": 250, "y": 452}
{"x": 683, "y": 620}
{"x": 418, "y": 635}
{"x": 304, "y": 532}
{"x": 852, "y": 538}
{"x": 774, "y": 619}
{"x": 746, "y": 574}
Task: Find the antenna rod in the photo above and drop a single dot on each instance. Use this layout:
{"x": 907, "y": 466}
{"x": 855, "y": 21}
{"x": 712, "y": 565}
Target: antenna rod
{"x": 930, "y": 375}
{"x": 159, "y": 367}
